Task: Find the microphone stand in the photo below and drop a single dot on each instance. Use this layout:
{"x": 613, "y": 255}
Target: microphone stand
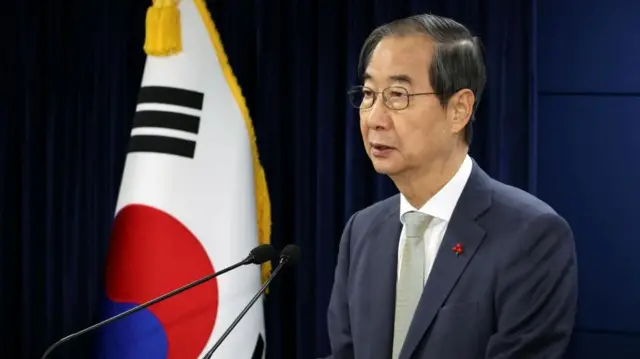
{"x": 282, "y": 263}
{"x": 145, "y": 305}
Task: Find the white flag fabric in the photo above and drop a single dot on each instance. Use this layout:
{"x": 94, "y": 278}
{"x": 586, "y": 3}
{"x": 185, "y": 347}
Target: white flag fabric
{"x": 193, "y": 200}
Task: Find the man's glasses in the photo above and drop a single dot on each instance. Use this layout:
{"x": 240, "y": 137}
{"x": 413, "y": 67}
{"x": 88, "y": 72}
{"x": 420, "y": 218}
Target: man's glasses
{"x": 394, "y": 97}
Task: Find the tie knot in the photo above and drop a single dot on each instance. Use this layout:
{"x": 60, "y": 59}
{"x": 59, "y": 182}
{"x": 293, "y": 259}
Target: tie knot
{"x": 415, "y": 223}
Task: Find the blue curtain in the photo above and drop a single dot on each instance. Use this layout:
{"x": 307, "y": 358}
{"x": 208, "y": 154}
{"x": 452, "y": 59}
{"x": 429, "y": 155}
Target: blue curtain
{"x": 66, "y": 120}
{"x": 75, "y": 69}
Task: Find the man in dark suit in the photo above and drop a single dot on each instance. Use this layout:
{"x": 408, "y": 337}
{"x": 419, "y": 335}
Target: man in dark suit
{"x": 458, "y": 265}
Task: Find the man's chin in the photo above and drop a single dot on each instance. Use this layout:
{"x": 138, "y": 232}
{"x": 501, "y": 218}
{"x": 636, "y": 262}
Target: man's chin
{"x": 385, "y": 167}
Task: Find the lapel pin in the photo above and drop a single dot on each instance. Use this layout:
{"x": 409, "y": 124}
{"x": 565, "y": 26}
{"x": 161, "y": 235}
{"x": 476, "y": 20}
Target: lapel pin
{"x": 457, "y": 249}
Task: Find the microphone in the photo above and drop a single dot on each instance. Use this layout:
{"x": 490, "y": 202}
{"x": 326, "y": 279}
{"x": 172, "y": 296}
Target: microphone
{"x": 258, "y": 255}
{"x": 289, "y": 256}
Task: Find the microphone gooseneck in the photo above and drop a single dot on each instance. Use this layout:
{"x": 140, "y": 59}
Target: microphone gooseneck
{"x": 288, "y": 257}
{"x": 257, "y": 255}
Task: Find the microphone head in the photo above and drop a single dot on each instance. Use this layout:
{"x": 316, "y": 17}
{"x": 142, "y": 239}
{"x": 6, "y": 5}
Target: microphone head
{"x": 263, "y": 253}
{"x": 291, "y": 254}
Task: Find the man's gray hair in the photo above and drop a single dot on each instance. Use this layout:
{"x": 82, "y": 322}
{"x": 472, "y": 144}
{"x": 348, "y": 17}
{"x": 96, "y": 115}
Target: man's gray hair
{"x": 457, "y": 61}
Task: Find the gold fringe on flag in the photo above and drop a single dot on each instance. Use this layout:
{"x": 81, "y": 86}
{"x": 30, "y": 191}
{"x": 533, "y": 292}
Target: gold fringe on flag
{"x": 163, "y": 33}
{"x": 263, "y": 203}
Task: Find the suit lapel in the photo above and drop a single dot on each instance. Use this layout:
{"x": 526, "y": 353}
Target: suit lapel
{"x": 383, "y": 274}
{"x": 448, "y": 267}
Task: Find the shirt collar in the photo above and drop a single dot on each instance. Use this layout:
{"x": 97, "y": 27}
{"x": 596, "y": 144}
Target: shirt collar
{"x": 442, "y": 204}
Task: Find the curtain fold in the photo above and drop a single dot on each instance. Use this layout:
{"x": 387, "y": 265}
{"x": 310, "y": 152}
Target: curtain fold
{"x": 66, "y": 115}
{"x": 77, "y": 66}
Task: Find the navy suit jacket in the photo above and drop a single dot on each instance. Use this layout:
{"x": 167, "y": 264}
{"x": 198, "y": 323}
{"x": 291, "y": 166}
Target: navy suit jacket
{"x": 511, "y": 294}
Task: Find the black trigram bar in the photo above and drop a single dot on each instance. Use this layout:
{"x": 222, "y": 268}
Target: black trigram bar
{"x": 171, "y": 96}
{"x": 166, "y": 119}
{"x": 258, "y": 352}
{"x": 162, "y": 144}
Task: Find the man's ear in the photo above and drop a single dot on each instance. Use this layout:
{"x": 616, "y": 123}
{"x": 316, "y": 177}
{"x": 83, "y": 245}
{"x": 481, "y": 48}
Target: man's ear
{"x": 461, "y": 108}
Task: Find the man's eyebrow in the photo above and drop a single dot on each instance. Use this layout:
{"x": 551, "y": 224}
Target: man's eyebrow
{"x": 395, "y": 78}
{"x": 401, "y": 78}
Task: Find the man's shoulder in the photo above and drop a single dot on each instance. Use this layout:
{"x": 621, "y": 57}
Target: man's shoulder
{"x": 515, "y": 204}
{"x": 378, "y": 210}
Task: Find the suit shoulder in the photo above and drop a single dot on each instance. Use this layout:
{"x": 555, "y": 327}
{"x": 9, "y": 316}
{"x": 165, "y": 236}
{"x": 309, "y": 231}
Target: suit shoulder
{"x": 520, "y": 222}
{"x": 378, "y": 209}
{"x": 521, "y": 205}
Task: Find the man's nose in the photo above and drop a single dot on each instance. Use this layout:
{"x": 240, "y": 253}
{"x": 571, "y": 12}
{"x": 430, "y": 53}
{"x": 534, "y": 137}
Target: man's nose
{"x": 378, "y": 118}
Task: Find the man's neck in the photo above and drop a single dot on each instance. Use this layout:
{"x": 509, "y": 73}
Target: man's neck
{"x": 419, "y": 186}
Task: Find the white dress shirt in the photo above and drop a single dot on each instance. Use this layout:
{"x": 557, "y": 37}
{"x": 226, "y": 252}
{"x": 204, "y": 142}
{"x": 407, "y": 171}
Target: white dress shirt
{"x": 440, "y": 207}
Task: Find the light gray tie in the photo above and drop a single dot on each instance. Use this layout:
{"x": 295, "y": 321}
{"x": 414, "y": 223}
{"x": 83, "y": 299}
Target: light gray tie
{"x": 411, "y": 279}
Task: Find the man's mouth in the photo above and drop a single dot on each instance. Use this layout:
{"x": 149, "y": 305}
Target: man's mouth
{"x": 379, "y": 150}
{"x": 380, "y": 147}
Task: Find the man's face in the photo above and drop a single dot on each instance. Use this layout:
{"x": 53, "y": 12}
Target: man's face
{"x": 406, "y": 140}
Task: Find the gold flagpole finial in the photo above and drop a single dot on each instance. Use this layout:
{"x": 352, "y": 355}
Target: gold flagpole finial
{"x": 163, "y": 34}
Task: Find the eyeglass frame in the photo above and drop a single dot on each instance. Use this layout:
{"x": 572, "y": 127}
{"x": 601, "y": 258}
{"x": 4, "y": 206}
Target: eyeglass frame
{"x": 360, "y": 88}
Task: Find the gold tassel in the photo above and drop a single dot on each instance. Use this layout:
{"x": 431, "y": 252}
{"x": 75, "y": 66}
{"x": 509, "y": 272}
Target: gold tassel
{"x": 163, "y": 33}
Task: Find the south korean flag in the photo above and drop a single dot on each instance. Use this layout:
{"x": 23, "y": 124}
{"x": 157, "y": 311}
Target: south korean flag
{"x": 192, "y": 201}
